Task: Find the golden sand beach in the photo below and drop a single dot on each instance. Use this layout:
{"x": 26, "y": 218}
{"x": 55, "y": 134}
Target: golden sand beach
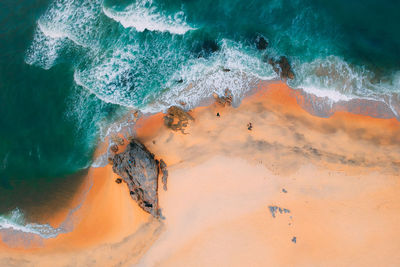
{"x": 293, "y": 190}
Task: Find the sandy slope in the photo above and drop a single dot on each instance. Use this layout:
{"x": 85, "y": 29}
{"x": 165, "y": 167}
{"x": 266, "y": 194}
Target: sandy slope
{"x": 340, "y": 175}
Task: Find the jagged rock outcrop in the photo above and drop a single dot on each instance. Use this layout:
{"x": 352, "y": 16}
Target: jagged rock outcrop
{"x": 119, "y": 141}
{"x": 282, "y": 67}
{"x": 114, "y": 148}
{"x": 177, "y": 119}
{"x": 139, "y": 170}
{"x": 224, "y": 100}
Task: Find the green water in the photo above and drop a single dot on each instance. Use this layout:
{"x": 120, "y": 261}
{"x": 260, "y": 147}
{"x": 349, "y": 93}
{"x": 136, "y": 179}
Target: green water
{"x": 69, "y": 68}
{"x": 42, "y": 146}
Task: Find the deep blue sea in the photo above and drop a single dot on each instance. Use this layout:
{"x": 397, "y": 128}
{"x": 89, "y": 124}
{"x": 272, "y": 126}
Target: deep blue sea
{"x": 69, "y": 68}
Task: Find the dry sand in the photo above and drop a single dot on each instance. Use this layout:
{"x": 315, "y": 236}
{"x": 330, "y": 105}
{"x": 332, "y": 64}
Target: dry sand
{"x": 338, "y": 176}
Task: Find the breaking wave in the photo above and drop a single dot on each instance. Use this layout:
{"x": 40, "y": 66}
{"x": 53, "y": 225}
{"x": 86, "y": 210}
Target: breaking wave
{"x": 14, "y": 225}
{"x": 15, "y": 230}
{"x": 152, "y": 70}
{"x": 234, "y": 67}
{"x": 44, "y": 50}
{"x": 15, "y": 222}
{"x": 63, "y": 23}
{"x": 144, "y": 16}
{"x": 337, "y": 80}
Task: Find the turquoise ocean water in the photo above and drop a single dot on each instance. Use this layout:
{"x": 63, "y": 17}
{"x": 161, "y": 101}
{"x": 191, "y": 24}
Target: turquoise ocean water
{"x": 69, "y": 68}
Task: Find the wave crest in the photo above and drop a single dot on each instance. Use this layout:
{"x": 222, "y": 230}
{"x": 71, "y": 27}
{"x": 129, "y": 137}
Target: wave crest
{"x": 76, "y": 21}
{"x": 337, "y": 80}
{"x": 44, "y": 50}
{"x": 142, "y": 17}
{"x": 15, "y": 222}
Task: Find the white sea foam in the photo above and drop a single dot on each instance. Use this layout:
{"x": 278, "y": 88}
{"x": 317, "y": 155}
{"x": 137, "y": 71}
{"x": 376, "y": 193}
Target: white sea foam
{"x": 88, "y": 114}
{"x": 141, "y": 73}
{"x": 334, "y": 78}
{"x": 52, "y": 32}
{"x": 109, "y": 77}
{"x": 233, "y": 67}
{"x": 124, "y": 128}
{"x": 330, "y": 95}
{"x": 125, "y": 76}
{"x": 76, "y": 21}
{"x": 100, "y": 161}
{"x": 15, "y": 221}
{"x": 44, "y": 50}
{"x": 337, "y": 80}
{"x": 122, "y": 74}
{"x": 144, "y": 15}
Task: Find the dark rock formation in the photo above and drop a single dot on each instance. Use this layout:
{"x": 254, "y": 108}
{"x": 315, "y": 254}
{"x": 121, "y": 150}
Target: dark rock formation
{"x": 177, "y": 119}
{"x": 118, "y": 180}
{"x": 117, "y": 140}
{"x": 207, "y": 48}
{"x": 224, "y": 100}
{"x": 282, "y": 67}
{"x": 164, "y": 171}
{"x": 138, "y": 168}
{"x": 114, "y": 148}
{"x": 261, "y": 43}
{"x": 275, "y": 209}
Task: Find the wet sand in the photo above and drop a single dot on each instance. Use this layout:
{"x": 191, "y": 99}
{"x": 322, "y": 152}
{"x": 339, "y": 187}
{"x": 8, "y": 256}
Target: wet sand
{"x": 338, "y": 177}
{"x": 108, "y": 220}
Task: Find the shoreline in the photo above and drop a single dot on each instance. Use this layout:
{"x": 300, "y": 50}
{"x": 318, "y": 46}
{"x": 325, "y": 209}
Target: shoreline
{"x": 286, "y": 146}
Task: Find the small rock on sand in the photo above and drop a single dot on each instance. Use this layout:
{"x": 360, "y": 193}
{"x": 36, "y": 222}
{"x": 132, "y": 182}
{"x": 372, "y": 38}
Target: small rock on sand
{"x": 177, "y": 119}
{"x": 114, "y": 148}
